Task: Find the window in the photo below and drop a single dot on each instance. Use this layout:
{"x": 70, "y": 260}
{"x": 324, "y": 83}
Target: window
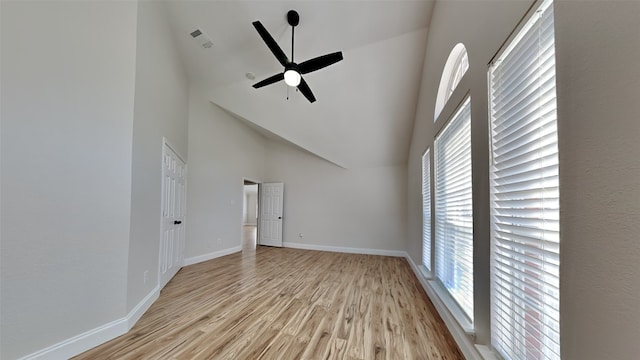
{"x": 456, "y": 66}
{"x": 524, "y": 195}
{"x": 453, "y": 209}
{"x": 460, "y": 66}
{"x": 426, "y": 210}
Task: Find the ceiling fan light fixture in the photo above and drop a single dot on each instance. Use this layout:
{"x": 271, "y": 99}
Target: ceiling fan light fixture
{"x": 292, "y": 77}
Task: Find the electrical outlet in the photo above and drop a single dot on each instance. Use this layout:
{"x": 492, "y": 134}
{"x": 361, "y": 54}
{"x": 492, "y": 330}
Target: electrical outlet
{"x": 219, "y": 241}
{"x": 146, "y": 276}
{"x": 300, "y": 235}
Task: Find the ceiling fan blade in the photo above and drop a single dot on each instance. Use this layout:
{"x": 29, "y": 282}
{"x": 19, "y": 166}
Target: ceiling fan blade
{"x": 271, "y": 43}
{"x": 270, "y": 80}
{"x": 306, "y": 91}
{"x": 319, "y": 62}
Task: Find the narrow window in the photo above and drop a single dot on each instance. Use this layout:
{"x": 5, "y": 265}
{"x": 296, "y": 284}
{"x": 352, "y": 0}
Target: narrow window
{"x": 525, "y": 217}
{"x": 453, "y": 209}
{"x": 426, "y": 210}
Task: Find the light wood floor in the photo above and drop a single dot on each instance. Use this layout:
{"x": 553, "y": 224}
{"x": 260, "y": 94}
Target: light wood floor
{"x": 273, "y": 303}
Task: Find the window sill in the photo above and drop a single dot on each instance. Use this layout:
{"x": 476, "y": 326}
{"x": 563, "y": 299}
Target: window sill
{"x": 425, "y": 272}
{"x": 462, "y": 334}
{"x": 453, "y": 307}
{"x": 487, "y": 353}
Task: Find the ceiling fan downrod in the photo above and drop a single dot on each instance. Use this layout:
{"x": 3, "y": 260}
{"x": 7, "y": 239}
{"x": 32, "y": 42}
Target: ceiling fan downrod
{"x": 293, "y": 19}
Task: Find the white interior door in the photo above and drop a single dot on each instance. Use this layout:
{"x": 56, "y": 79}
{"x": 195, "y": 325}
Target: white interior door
{"x": 271, "y": 201}
{"x": 173, "y": 215}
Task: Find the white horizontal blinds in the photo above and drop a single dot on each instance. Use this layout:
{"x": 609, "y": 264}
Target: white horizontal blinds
{"x": 453, "y": 209}
{"x": 426, "y": 210}
{"x": 524, "y": 190}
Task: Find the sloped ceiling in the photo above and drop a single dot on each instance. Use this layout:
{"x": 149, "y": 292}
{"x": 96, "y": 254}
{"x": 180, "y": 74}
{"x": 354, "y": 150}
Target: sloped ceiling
{"x": 366, "y": 103}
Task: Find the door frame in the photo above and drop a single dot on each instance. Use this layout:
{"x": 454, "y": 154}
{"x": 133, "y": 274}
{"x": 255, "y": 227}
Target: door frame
{"x": 167, "y": 143}
{"x": 259, "y": 183}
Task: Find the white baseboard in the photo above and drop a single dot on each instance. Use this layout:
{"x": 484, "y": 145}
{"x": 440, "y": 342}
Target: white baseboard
{"x": 466, "y": 345}
{"x": 211, "y": 255}
{"x": 81, "y": 343}
{"x": 94, "y": 337}
{"x": 101, "y": 334}
{"x": 136, "y": 313}
{"x": 349, "y": 250}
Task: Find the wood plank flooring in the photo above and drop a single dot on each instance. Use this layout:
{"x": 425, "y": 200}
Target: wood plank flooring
{"x": 274, "y": 303}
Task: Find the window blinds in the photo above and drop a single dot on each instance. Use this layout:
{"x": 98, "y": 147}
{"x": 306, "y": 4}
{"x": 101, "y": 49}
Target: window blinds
{"x": 426, "y": 210}
{"x": 524, "y": 192}
{"x": 453, "y": 209}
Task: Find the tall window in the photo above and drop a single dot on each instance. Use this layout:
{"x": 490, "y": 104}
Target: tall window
{"x": 455, "y": 67}
{"x": 453, "y": 209}
{"x": 426, "y": 210}
{"x": 524, "y": 190}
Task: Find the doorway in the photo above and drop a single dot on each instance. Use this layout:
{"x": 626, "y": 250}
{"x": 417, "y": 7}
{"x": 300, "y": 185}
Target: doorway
{"x": 250, "y": 206}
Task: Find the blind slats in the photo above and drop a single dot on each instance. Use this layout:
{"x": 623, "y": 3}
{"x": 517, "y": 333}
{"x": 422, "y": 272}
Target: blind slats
{"x": 536, "y": 327}
{"x": 525, "y": 249}
{"x": 426, "y": 210}
{"x": 519, "y": 50}
{"x": 533, "y": 133}
{"x": 522, "y": 303}
{"x": 532, "y": 78}
{"x": 453, "y": 209}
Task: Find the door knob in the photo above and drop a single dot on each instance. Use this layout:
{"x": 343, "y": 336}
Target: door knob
{"x": 280, "y": 217}
{"x": 177, "y": 222}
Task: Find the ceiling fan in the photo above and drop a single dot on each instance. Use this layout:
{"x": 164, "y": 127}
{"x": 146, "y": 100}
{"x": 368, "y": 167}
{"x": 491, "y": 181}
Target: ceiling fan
{"x": 292, "y": 74}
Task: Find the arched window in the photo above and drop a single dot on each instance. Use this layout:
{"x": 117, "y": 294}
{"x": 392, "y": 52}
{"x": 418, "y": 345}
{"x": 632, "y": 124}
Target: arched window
{"x": 456, "y": 66}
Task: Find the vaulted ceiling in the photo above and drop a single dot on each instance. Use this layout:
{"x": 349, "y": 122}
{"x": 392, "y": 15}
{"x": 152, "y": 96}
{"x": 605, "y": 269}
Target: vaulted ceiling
{"x": 365, "y": 107}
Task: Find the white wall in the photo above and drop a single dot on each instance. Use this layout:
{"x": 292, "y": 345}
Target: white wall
{"x": 161, "y": 109}
{"x": 598, "y": 90}
{"x": 331, "y": 206}
{"x": 598, "y": 78}
{"x": 68, "y": 72}
{"x": 222, "y": 151}
{"x": 355, "y": 208}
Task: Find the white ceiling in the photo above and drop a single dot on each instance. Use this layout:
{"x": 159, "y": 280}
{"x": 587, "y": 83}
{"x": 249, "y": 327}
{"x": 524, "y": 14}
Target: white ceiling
{"x": 365, "y": 104}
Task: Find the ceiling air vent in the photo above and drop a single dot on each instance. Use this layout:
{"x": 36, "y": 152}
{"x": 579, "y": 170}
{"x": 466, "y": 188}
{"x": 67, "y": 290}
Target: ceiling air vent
{"x": 202, "y": 38}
